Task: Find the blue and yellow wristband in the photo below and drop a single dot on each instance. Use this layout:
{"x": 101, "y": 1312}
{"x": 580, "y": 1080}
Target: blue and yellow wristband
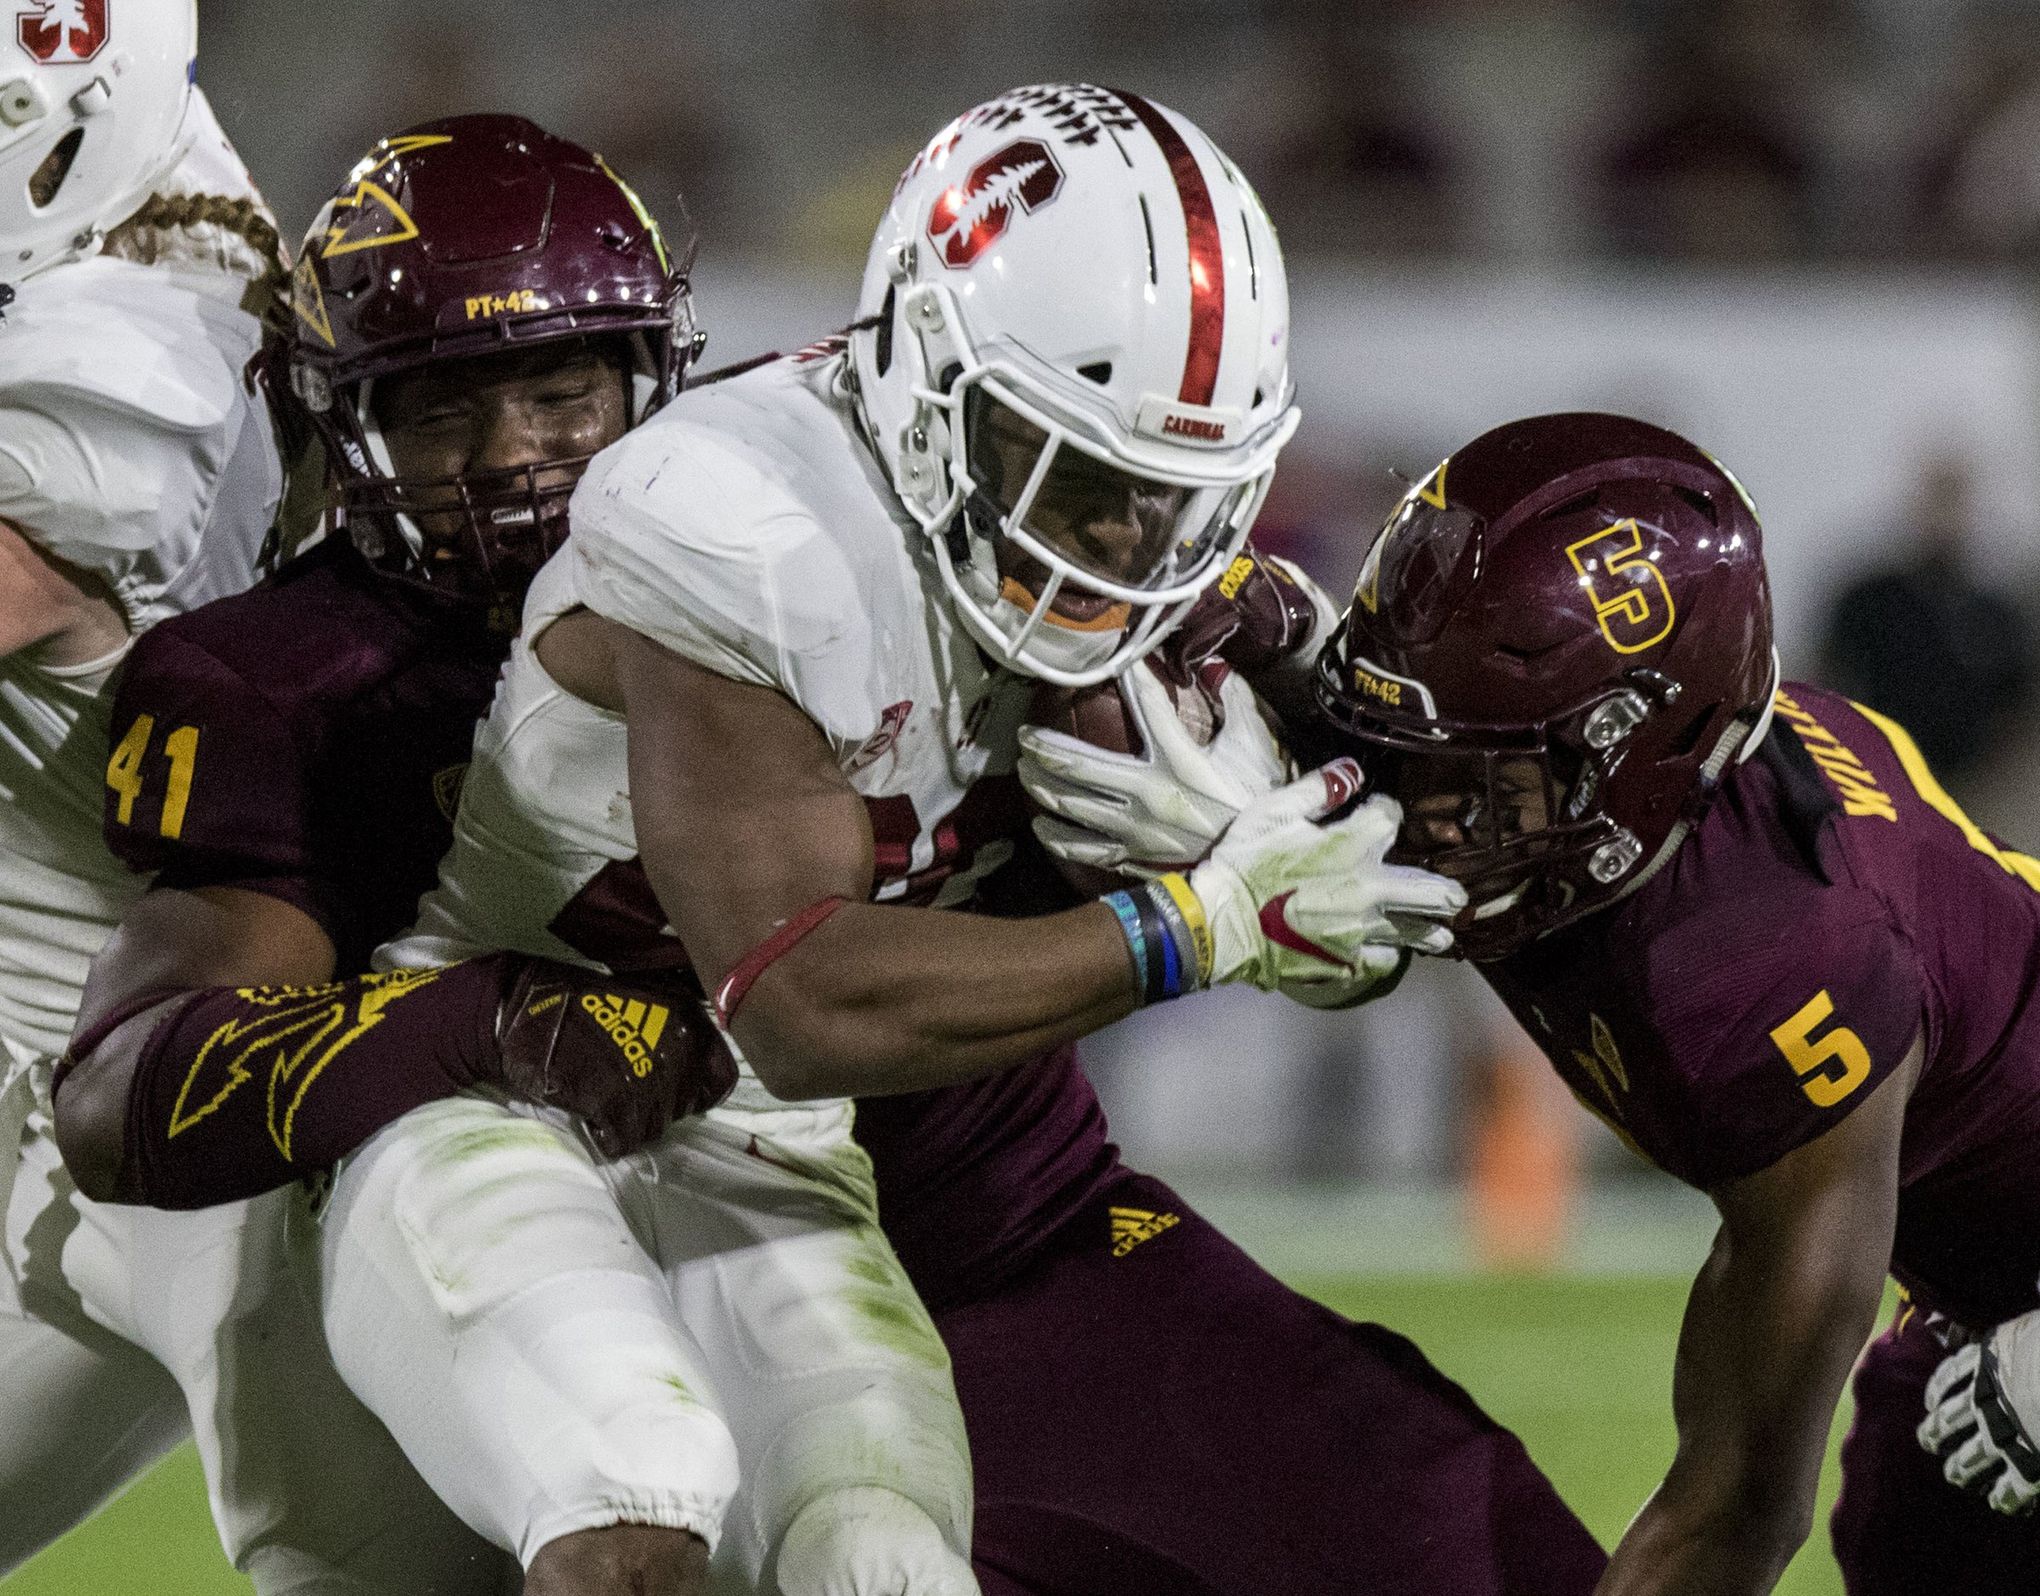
{"x": 1168, "y": 937}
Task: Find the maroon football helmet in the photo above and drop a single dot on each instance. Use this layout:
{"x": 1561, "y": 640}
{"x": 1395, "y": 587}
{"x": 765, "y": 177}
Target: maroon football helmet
{"x": 1556, "y": 645}
{"x": 458, "y": 238}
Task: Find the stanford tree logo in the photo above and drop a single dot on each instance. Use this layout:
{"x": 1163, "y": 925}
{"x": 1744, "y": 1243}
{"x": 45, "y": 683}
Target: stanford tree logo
{"x": 63, "y": 32}
{"x": 971, "y": 216}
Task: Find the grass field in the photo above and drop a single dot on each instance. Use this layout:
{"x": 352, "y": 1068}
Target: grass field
{"x": 1580, "y": 1368}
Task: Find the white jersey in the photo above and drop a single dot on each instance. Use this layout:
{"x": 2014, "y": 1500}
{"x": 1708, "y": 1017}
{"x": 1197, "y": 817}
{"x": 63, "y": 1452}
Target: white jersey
{"x": 750, "y": 529}
{"x": 132, "y": 449}
{"x": 746, "y": 527}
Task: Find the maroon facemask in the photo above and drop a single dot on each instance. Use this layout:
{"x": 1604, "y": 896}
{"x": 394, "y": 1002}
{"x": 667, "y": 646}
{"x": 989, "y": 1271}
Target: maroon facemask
{"x": 460, "y": 238}
{"x": 1556, "y": 645}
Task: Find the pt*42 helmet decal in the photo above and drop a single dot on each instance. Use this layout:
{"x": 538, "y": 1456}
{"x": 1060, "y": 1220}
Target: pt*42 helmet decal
{"x": 969, "y": 217}
{"x": 63, "y": 31}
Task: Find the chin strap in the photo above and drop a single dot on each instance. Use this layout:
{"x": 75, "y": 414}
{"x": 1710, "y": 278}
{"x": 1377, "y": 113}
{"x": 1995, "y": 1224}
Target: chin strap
{"x": 1736, "y": 745}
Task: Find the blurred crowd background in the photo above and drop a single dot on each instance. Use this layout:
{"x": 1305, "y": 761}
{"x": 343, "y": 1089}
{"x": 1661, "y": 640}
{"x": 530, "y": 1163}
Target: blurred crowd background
{"x": 1804, "y": 232}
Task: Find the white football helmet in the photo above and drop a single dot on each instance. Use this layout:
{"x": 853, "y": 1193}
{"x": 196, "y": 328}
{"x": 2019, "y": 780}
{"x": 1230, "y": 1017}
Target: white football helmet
{"x": 93, "y": 103}
{"x": 1072, "y": 357}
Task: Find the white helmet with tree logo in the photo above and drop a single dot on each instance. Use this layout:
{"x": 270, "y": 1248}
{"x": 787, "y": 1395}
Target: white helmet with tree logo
{"x": 95, "y": 99}
{"x": 1072, "y": 359}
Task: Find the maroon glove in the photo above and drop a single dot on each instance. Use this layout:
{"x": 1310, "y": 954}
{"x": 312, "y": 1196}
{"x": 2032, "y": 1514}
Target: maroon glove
{"x": 626, "y": 1058}
{"x": 1256, "y": 619}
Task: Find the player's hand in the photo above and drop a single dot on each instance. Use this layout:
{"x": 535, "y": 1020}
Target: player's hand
{"x": 1983, "y": 1411}
{"x": 1146, "y": 814}
{"x": 1263, "y": 615}
{"x": 1315, "y": 910}
{"x": 625, "y": 1057}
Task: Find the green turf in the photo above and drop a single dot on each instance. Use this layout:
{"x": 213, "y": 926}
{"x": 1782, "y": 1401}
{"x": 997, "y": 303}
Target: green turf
{"x": 1580, "y": 1368}
{"x": 157, "y": 1540}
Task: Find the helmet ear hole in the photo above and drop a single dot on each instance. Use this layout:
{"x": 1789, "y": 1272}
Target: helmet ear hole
{"x": 882, "y": 354}
{"x": 1098, "y": 371}
{"x": 48, "y": 179}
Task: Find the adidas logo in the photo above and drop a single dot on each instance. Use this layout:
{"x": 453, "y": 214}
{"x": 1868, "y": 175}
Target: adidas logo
{"x": 1132, "y": 1226}
{"x": 635, "y": 1027}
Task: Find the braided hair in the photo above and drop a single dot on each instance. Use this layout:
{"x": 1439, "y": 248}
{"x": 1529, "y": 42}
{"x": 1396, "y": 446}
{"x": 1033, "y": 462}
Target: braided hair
{"x": 203, "y": 230}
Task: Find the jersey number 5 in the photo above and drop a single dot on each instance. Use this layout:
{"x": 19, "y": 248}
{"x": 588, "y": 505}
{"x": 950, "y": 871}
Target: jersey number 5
{"x": 1829, "y": 1067}
{"x": 124, "y": 773}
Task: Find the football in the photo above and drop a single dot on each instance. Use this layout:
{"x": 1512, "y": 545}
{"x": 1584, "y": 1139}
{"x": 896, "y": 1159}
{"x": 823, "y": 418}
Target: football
{"x": 1096, "y": 715}
{"x": 1099, "y": 715}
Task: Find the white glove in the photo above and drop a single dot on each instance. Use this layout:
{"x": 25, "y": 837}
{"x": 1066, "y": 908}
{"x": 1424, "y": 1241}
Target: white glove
{"x": 1142, "y": 815}
{"x": 1983, "y": 1410}
{"x": 1314, "y": 910}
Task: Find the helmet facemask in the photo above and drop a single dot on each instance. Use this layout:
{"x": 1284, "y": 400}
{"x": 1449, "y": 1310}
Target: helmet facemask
{"x": 1066, "y": 557}
{"x": 479, "y": 535}
{"x": 1518, "y": 813}
{"x": 1514, "y": 813}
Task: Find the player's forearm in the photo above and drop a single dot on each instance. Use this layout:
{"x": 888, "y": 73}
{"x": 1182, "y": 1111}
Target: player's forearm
{"x": 217, "y": 1094}
{"x": 1776, "y": 1318}
{"x": 1734, "y": 1547}
{"x": 1725, "y": 1522}
{"x": 1738, "y": 1499}
{"x": 235, "y": 1091}
{"x": 172, "y": 945}
{"x": 885, "y": 1000}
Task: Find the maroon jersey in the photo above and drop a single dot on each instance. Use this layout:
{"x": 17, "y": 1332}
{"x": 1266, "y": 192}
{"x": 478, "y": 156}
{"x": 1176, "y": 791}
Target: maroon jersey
{"x": 329, "y": 713}
{"x": 1833, "y": 907}
{"x": 974, "y": 1180}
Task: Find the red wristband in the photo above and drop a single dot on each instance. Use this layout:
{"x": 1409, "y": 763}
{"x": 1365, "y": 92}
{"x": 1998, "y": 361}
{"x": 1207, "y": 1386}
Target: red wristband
{"x": 740, "y": 980}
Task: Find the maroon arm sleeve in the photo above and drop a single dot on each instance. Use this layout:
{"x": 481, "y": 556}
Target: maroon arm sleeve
{"x": 238, "y": 1091}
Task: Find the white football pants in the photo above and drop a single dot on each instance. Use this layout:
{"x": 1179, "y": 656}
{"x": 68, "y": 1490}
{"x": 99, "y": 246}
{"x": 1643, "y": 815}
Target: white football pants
{"x": 562, "y": 1343}
{"x": 122, "y": 1330}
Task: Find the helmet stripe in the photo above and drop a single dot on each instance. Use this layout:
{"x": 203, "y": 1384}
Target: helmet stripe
{"x": 1207, "y": 253}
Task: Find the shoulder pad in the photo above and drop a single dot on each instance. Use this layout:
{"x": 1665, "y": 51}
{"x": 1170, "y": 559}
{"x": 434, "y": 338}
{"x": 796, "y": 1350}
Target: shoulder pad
{"x": 114, "y": 337}
{"x": 1776, "y": 1028}
{"x": 122, "y": 403}
{"x": 720, "y": 542}
{"x": 205, "y": 770}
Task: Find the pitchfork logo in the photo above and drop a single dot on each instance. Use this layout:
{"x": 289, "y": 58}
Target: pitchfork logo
{"x": 971, "y": 216}
{"x": 63, "y": 32}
